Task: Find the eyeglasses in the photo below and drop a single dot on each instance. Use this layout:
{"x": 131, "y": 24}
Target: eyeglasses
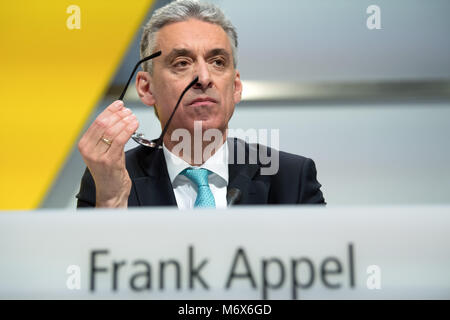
{"x": 140, "y": 137}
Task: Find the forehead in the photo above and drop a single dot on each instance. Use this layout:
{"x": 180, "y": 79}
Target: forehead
{"x": 192, "y": 34}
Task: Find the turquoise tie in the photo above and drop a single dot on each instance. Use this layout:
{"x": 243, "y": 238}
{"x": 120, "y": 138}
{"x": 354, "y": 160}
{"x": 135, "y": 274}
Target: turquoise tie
{"x": 205, "y": 198}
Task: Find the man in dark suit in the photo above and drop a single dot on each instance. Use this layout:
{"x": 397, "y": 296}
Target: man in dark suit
{"x": 196, "y": 40}
{"x": 295, "y": 181}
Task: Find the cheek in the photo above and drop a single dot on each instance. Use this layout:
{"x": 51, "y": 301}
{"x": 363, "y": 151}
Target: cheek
{"x": 230, "y": 100}
{"x": 165, "y": 99}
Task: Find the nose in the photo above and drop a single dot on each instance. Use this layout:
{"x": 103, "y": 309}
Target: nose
{"x": 204, "y": 76}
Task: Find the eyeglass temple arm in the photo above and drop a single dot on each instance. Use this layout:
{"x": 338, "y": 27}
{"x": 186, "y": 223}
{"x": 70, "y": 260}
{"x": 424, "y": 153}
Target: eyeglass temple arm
{"x": 193, "y": 82}
{"x": 154, "y": 55}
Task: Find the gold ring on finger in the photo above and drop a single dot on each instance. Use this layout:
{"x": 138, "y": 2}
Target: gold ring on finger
{"x": 107, "y": 141}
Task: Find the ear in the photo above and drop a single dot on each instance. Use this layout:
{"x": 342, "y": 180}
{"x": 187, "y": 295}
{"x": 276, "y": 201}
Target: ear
{"x": 144, "y": 88}
{"x": 237, "y": 88}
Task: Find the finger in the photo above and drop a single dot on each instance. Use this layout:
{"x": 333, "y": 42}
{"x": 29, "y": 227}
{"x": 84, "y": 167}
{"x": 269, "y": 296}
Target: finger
{"x": 97, "y": 130}
{"x": 118, "y": 144}
{"x": 111, "y": 121}
{"x": 111, "y": 133}
{"x": 101, "y": 120}
{"x": 113, "y": 118}
{"x": 108, "y": 117}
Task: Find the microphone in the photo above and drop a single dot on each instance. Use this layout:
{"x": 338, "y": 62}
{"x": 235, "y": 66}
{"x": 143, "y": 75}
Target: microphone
{"x": 233, "y": 196}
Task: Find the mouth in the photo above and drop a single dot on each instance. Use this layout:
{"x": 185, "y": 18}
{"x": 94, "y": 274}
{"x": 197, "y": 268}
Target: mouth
{"x": 202, "y": 101}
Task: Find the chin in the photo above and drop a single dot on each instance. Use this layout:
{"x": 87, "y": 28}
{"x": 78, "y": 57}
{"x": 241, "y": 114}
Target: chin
{"x": 212, "y": 124}
{"x": 208, "y": 123}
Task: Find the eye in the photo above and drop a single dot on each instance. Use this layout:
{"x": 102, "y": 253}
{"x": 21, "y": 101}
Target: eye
{"x": 219, "y": 62}
{"x": 180, "y": 64}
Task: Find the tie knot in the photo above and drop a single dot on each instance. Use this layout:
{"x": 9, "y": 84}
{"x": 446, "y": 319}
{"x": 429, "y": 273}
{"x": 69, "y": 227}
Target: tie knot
{"x": 197, "y": 175}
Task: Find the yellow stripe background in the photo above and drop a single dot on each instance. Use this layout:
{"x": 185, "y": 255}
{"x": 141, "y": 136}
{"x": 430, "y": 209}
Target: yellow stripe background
{"x": 51, "y": 79}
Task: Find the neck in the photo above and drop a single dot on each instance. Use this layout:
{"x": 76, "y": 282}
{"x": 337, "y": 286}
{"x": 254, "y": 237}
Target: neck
{"x": 195, "y": 151}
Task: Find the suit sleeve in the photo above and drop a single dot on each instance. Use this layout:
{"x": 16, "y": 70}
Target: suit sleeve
{"x": 86, "y": 195}
{"x": 310, "y": 192}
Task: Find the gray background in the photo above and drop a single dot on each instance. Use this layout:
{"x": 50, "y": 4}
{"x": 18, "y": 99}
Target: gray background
{"x": 375, "y": 152}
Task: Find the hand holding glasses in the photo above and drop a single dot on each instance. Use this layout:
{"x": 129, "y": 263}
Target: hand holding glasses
{"x": 139, "y": 137}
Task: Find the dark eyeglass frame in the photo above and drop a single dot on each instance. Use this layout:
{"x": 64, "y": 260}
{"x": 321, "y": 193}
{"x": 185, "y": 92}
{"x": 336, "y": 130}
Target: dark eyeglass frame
{"x": 139, "y": 137}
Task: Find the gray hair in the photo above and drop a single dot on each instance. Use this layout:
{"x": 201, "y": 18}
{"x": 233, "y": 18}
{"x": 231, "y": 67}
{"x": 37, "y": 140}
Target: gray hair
{"x": 183, "y": 10}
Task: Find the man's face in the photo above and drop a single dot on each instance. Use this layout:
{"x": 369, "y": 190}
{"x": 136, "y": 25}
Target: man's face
{"x": 195, "y": 48}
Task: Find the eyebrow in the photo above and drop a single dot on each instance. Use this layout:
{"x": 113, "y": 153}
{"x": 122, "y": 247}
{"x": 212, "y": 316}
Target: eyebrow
{"x": 218, "y": 52}
{"x": 178, "y": 52}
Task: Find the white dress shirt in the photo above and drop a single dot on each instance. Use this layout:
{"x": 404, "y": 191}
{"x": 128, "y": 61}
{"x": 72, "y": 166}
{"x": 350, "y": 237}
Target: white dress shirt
{"x": 186, "y": 191}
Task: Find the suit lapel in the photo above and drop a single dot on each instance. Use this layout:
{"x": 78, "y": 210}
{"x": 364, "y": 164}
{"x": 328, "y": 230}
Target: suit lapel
{"x": 154, "y": 189}
{"x": 242, "y": 175}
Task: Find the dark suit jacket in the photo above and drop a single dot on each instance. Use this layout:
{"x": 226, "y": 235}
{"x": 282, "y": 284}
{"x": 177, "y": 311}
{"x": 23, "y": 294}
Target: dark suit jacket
{"x": 295, "y": 181}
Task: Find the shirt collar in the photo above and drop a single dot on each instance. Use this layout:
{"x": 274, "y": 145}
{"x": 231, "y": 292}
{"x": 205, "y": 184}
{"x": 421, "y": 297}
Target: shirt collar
{"x": 217, "y": 163}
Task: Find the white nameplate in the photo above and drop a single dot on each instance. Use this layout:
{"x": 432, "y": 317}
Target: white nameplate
{"x": 245, "y": 253}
